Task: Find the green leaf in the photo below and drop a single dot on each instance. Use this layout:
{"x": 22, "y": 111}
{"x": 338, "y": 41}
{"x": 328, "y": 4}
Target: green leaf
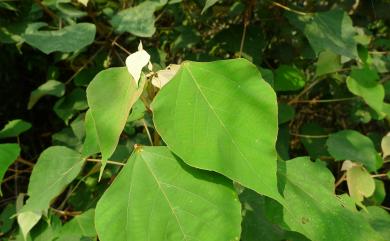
{"x": 222, "y": 116}
{"x": 328, "y": 62}
{"x": 68, "y": 9}
{"x": 181, "y": 203}
{"x": 57, "y": 166}
{"x": 47, "y": 230}
{"x": 51, "y": 87}
{"x": 11, "y": 33}
{"x": 267, "y": 75}
{"x": 288, "y": 78}
{"x": 208, "y": 4}
{"x": 285, "y": 113}
{"x": 379, "y": 194}
{"x": 27, "y": 220}
{"x": 364, "y": 83}
{"x": 253, "y": 48}
{"x": 315, "y": 146}
{"x": 71, "y": 104}
{"x": 137, "y": 112}
{"x": 14, "y": 128}
{"x": 360, "y": 183}
{"x": 83, "y": 225}
{"x": 351, "y": 145}
{"x": 64, "y": 165}
{"x": 8, "y": 154}
{"x": 379, "y": 220}
{"x": 332, "y": 31}
{"x": 111, "y": 94}
{"x": 312, "y": 207}
{"x": 283, "y": 142}
{"x": 66, "y": 137}
{"x": 91, "y": 145}
{"x": 68, "y": 39}
{"x": 6, "y": 219}
{"x": 385, "y": 145}
{"x": 138, "y": 20}
{"x": 256, "y": 223}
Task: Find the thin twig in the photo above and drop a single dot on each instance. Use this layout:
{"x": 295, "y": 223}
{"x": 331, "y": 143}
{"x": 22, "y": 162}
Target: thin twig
{"x": 314, "y": 101}
{"x": 21, "y": 160}
{"x": 84, "y": 65}
{"x": 354, "y": 7}
{"x": 95, "y": 169}
{"x": 242, "y": 40}
{"x": 121, "y": 47}
{"x": 342, "y": 178}
{"x": 296, "y": 98}
{"x": 387, "y": 208}
{"x": 46, "y": 10}
{"x": 66, "y": 213}
{"x": 379, "y": 175}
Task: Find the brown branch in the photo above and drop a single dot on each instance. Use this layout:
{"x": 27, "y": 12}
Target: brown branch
{"x": 46, "y": 10}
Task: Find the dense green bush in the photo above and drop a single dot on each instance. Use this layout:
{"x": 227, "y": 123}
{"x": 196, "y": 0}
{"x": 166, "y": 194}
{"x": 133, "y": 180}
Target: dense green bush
{"x": 194, "y": 120}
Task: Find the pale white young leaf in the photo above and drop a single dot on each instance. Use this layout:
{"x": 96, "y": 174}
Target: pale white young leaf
{"x": 347, "y": 164}
{"x": 84, "y": 2}
{"x": 164, "y": 76}
{"x": 27, "y": 220}
{"x": 360, "y": 183}
{"x": 135, "y": 62}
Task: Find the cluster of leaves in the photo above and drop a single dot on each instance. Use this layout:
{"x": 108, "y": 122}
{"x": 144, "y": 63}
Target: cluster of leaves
{"x": 236, "y": 120}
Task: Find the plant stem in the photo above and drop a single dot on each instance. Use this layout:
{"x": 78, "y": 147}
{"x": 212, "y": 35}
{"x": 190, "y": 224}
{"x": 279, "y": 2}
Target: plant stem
{"x": 108, "y": 162}
{"x": 147, "y": 131}
{"x": 296, "y": 98}
{"x": 314, "y": 101}
{"x": 309, "y": 136}
{"x": 289, "y": 9}
{"x": 342, "y": 178}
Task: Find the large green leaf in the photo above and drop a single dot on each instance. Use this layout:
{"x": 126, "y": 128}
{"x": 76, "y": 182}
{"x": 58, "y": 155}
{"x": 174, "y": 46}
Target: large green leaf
{"x": 351, "y": 145}
{"x": 111, "y": 94}
{"x": 14, "y": 128}
{"x": 364, "y": 83}
{"x": 138, "y": 20}
{"x": 157, "y": 197}
{"x": 57, "y": 166}
{"x": 82, "y": 225}
{"x": 256, "y": 226}
{"x": 312, "y": 207}
{"x": 222, "y": 116}
{"x": 8, "y": 154}
{"x": 330, "y": 30}
{"x": 67, "y": 39}
{"x": 379, "y": 220}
